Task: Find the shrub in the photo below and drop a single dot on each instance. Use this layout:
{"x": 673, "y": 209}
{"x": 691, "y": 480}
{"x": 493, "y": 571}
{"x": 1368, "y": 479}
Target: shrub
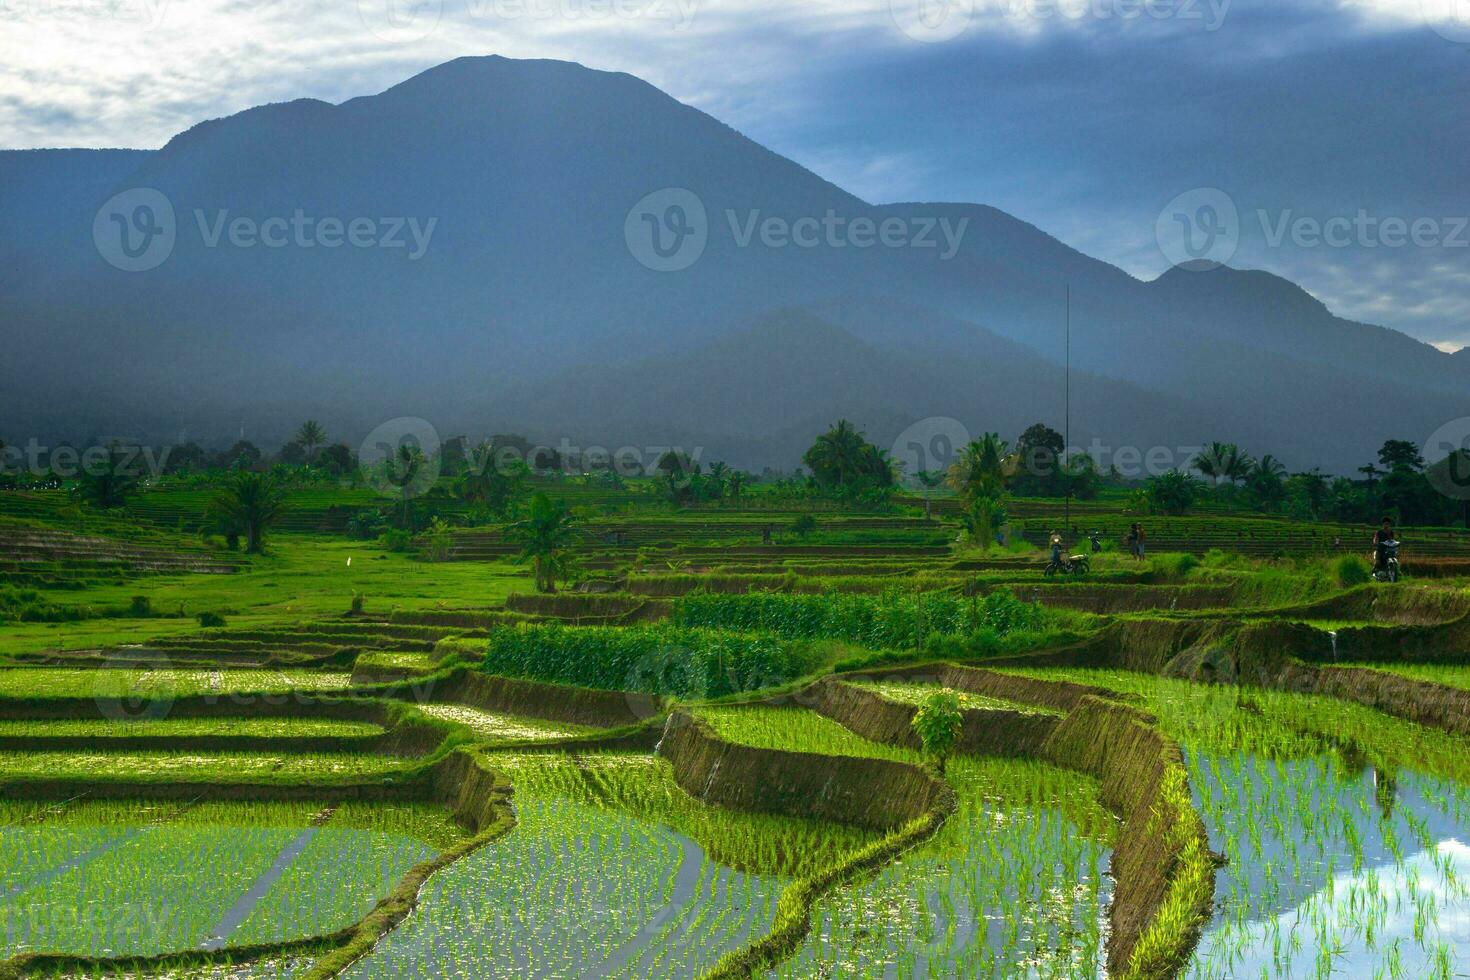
{"x": 937, "y": 723}
{"x": 140, "y": 606}
{"x": 1352, "y": 570}
{"x": 209, "y": 619}
{"x": 663, "y": 659}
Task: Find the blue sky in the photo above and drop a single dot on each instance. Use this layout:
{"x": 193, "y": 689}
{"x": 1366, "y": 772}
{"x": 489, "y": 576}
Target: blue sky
{"x": 1089, "y": 118}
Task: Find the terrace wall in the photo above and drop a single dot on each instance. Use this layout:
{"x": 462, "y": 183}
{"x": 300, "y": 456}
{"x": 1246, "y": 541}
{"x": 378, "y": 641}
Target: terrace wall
{"x": 873, "y": 793}
{"x": 985, "y": 731}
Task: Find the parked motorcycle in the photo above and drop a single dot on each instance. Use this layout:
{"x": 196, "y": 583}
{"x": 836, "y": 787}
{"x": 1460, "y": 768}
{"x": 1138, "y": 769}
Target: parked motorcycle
{"x": 1070, "y": 565}
{"x": 1388, "y": 569}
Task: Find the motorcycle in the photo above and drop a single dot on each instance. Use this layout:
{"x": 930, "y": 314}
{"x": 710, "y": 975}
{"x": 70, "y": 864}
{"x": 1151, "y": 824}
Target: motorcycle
{"x": 1388, "y": 569}
{"x": 1070, "y": 565}
{"x": 1096, "y": 538}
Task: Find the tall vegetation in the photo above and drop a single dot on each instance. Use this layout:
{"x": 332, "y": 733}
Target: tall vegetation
{"x": 247, "y": 506}
{"x": 843, "y": 462}
{"x": 547, "y": 536}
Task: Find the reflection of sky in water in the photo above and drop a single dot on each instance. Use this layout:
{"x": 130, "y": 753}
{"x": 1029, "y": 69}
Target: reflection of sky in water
{"x": 1422, "y": 943}
{"x": 1334, "y": 868}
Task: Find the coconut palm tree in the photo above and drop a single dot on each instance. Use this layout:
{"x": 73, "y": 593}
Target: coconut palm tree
{"x": 1223, "y": 461}
{"x": 107, "y": 485}
{"x": 312, "y": 437}
{"x": 546, "y": 536}
{"x": 248, "y": 504}
{"x": 982, "y": 469}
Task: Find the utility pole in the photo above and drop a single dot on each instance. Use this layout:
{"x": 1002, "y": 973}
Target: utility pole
{"x": 1067, "y": 418}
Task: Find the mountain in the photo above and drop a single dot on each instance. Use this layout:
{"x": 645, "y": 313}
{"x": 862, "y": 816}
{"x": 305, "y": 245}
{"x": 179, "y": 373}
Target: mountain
{"x": 507, "y": 273}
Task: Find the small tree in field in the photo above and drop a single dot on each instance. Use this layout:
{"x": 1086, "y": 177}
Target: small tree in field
{"x": 937, "y": 723}
{"x": 547, "y": 537}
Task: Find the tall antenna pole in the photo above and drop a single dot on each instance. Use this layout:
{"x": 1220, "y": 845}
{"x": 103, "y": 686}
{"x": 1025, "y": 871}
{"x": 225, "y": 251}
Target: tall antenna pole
{"x": 1067, "y": 417}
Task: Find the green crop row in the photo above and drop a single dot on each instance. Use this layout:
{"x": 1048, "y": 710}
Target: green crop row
{"x": 893, "y": 620}
{"x": 662, "y": 659}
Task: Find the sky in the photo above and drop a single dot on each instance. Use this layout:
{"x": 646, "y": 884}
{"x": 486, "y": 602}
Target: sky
{"x": 1327, "y": 141}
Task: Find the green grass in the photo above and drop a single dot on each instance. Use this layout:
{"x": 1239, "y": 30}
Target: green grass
{"x": 1450, "y": 675}
{"x": 497, "y": 726}
{"x": 794, "y": 730}
{"x": 66, "y": 682}
{"x": 192, "y": 727}
{"x": 916, "y": 694}
{"x": 214, "y": 767}
{"x": 302, "y": 577}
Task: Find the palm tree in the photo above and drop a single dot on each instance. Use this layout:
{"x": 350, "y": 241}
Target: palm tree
{"x": 107, "y": 486}
{"x": 982, "y": 469}
{"x": 311, "y": 436}
{"x": 249, "y": 504}
{"x": 1270, "y": 467}
{"x": 401, "y": 469}
{"x": 1223, "y": 461}
{"x": 719, "y": 474}
{"x": 546, "y": 536}
{"x": 736, "y": 482}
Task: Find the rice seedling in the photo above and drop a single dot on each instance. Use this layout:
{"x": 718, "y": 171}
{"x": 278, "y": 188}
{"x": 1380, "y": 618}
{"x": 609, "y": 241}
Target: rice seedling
{"x": 909, "y": 692}
{"x": 138, "y": 877}
{"x": 190, "y": 727}
{"x": 1345, "y": 832}
{"x": 210, "y": 767}
{"x": 40, "y": 682}
{"x": 1450, "y": 675}
{"x": 1013, "y": 885}
{"x": 795, "y": 730}
{"x": 501, "y": 727}
{"x": 603, "y": 876}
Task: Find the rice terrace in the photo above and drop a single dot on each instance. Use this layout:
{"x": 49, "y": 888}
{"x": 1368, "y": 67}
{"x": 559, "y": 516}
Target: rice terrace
{"x": 543, "y": 723}
{"x": 734, "y": 490}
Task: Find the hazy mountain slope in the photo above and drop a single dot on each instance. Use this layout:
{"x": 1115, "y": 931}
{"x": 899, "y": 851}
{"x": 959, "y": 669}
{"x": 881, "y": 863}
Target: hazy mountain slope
{"x": 526, "y": 172}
